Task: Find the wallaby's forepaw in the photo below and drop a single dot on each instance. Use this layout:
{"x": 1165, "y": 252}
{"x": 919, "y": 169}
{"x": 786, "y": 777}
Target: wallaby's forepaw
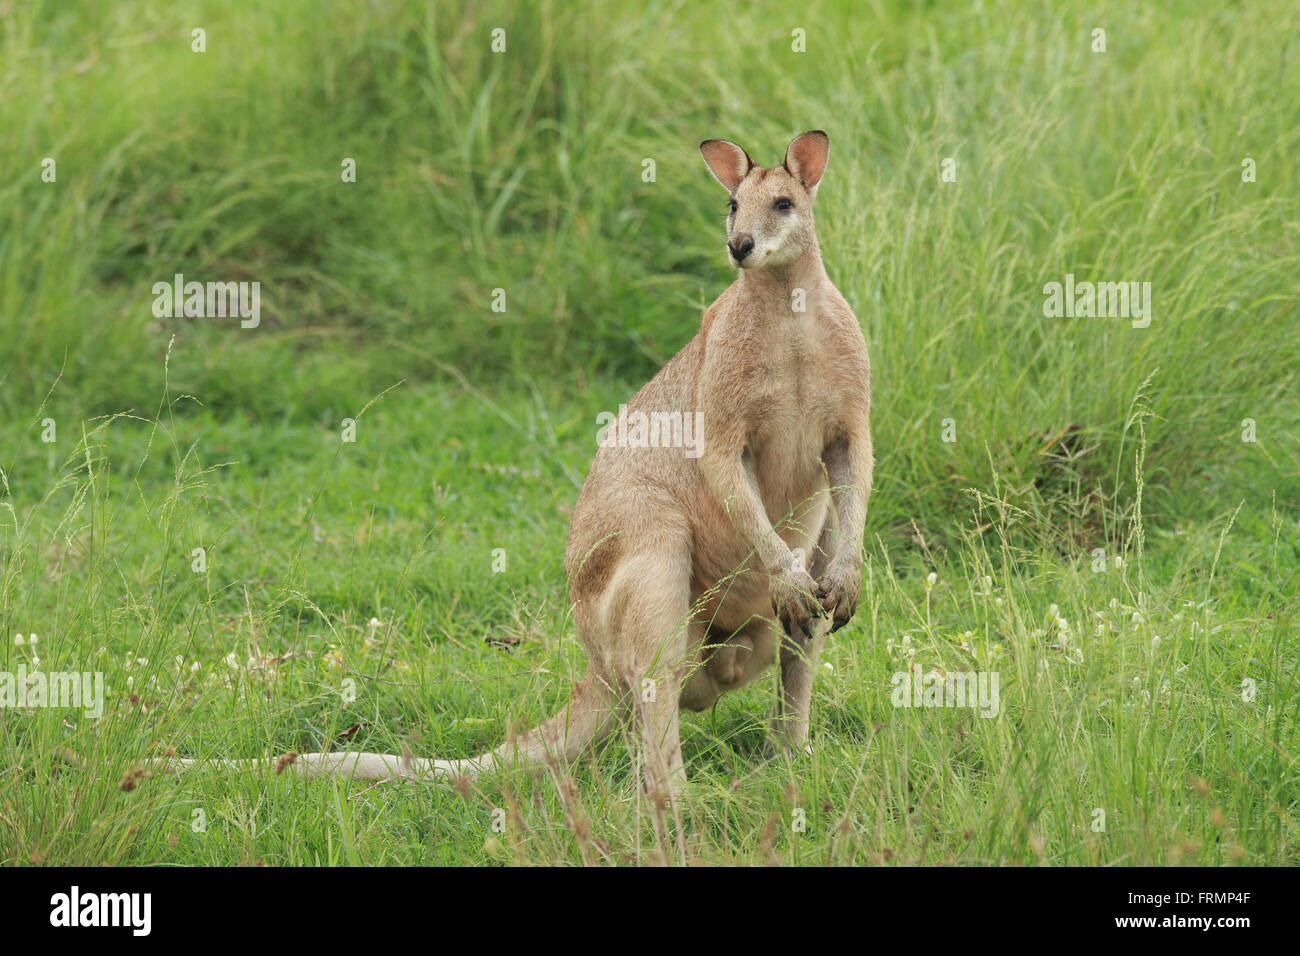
{"x": 796, "y": 604}
{"x": 838, "y": 593}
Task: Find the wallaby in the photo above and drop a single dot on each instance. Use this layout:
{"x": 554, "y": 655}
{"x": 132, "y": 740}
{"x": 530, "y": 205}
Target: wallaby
{"x": 689, "y": 574}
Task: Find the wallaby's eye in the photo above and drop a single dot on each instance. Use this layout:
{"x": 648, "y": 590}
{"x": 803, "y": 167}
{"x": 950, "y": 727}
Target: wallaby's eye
{"x": 731, "y": 206}
{"x": 783, "y": 204}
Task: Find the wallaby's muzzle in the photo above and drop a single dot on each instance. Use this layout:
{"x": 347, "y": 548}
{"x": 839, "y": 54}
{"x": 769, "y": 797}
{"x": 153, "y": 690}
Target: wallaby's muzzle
{"x": 740, "y": 245}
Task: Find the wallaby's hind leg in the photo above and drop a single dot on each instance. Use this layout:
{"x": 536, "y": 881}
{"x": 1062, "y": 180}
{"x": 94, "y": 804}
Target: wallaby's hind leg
{"x": 798, "y": 662}
{"x": 648, "y": 607}
{"x": 662, "y": 769}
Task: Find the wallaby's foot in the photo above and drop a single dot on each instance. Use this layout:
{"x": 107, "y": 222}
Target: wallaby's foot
{"x": 669, "y": 790}
{"x": 777, "y": 746}
{"x": 785, "y": 739}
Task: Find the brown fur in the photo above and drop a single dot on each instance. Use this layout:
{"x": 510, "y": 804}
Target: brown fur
{"x": 690, "y": 576}
{"x": 708, "y": 591}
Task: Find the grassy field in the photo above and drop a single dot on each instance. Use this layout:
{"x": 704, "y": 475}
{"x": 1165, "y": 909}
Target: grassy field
{"x": 1099, "y": 532}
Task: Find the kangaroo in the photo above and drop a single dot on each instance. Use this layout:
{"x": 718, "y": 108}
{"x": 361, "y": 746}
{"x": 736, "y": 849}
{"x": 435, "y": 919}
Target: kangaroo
{"x": 690, "y": 574}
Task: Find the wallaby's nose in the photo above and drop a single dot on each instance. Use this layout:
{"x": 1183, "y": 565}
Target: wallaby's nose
{"x": 741, "y": 245}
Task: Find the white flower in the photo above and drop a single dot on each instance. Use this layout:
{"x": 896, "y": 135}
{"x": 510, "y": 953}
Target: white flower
{"x": 194, "y": 667}
{"x": 18, "y": 640}
{"x": 931, "y": 580}
{"x": 32, "y": 638}
{"x": 376, "y": 623}
{"x": 36, "y": 661}
{"x": 1053, "y": 611}
{"x": 827, "y": 665}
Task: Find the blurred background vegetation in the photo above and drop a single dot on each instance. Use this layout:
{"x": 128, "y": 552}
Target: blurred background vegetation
{"x": 522, "y": 171}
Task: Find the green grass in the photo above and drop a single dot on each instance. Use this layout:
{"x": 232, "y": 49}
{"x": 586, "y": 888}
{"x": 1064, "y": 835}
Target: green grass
{"x": 522, "y": 171}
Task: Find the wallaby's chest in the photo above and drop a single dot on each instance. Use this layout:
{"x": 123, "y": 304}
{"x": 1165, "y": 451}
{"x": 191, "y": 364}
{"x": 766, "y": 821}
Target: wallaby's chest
{"x": 792, "y": 412}
{"x": 794, "y": 395}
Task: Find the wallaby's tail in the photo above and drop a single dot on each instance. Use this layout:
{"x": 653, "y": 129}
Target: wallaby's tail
{"x": 588, "y": 716}
{"x": 357, "y": 765}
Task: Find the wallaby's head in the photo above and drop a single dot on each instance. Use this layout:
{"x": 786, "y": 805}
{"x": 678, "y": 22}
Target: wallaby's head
{"x": 770, "y": 218}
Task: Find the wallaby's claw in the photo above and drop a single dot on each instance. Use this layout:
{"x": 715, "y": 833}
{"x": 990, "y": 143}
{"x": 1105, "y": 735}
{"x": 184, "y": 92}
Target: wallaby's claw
{"x": 838, "y": 594}
{"x": 795, "y": 601}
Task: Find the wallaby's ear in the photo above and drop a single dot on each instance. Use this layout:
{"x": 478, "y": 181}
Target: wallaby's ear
{"x": 805, "y": 158}
{"x": 727, "y": 161}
